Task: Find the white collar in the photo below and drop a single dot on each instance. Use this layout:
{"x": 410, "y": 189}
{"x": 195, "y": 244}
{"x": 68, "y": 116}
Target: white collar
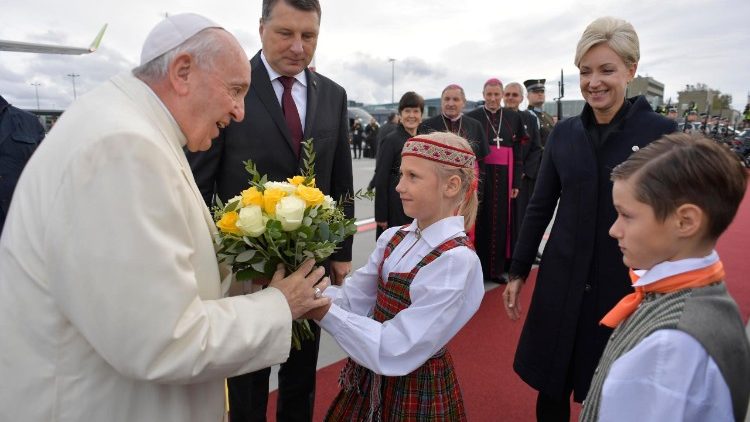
{"x": 439, "y": 231}
{"x": 669, "y": 268}
{"x": 460, "y": 115}
{"x": 273, "y": 75}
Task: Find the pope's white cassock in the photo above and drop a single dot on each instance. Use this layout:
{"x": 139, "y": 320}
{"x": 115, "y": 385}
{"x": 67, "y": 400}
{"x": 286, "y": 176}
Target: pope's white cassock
{"x": 109, "y": 281}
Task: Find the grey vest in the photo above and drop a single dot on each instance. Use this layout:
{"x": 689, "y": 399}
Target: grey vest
{"x": 708, "y": 314}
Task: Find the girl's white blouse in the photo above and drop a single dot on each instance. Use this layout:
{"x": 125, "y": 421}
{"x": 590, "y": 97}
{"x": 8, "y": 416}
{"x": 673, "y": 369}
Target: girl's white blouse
{"x": 444, "y": 296}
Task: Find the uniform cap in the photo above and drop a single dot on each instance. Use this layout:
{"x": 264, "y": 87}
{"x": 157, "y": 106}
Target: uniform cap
{"x": 534, "y": 84}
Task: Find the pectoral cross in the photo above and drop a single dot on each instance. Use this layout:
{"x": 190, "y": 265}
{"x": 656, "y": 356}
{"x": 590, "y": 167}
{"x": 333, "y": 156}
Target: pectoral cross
{"x": 497, "y": 141}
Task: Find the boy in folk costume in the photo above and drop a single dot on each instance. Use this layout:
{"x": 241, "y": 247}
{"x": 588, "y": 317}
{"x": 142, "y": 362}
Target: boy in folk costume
{"x": 679, "y": 352}
{"x": 422, "y": 283}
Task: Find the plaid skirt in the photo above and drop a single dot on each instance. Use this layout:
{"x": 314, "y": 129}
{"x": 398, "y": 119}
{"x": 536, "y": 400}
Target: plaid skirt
{"x": 429, "y": 393}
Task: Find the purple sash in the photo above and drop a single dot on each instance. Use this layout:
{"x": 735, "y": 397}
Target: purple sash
{"x": 503, "y": 156}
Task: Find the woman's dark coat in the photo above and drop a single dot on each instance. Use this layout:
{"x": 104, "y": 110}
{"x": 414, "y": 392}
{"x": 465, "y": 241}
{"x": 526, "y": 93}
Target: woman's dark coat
{"x": 582, "y": 275}
{"x": 388, "y": 205}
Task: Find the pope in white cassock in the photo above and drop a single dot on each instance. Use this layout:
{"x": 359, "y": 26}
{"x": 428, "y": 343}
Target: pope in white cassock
{"x": 110, "y": 293}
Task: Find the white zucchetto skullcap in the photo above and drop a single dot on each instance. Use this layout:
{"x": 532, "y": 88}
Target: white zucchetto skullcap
{"x": 171, "y": 32}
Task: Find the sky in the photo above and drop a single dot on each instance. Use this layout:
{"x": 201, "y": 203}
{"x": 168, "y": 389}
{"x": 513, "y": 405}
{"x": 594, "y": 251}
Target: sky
{"x": 434, "y": 43}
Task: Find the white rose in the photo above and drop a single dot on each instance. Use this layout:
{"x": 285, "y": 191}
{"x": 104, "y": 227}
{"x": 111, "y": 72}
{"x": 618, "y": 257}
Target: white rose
{"x": 289, "y": 211}
{"x": 286, "y": 187}
{"x": 251, "y": 221}
{"x": 328, "y": 203}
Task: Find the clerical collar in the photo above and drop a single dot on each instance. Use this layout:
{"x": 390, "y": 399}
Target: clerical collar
{"x": 453, "y": 120}
{"x": 492, "y": 112}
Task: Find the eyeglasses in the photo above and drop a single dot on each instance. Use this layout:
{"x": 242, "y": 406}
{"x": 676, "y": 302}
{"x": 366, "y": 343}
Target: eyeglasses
{"x": 512, "y": 94}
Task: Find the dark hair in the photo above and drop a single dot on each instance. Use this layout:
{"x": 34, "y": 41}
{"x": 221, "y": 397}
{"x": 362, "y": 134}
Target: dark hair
{"x": 411, "y": 99}
{"x": 683, "y": 169}
{"x": 392, "y": 116}
{"x": 304, "y": 5}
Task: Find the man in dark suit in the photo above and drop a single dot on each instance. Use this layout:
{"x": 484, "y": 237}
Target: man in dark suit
{"x": 531, "y": 151}
{"x": 20, "y": 134}
{"x": 286, "y": 103}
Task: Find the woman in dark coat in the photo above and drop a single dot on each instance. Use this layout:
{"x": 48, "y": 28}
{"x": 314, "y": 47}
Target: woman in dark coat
{"x": 581, "y": 276}
{"x": 388, "y": 209}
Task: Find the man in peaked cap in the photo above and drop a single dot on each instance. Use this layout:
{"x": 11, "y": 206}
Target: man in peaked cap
{"x": 127, "y": 322}
{"x": 535, "y": 95}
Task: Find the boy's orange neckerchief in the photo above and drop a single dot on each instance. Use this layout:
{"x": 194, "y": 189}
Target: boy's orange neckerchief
{"x": 688, "y": 280}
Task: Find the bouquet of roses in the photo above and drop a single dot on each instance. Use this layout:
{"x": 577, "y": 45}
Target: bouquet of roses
{"x": 280, "y": 222}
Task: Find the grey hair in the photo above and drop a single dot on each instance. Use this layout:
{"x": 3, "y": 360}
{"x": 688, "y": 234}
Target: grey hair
{"x": 516, "y": 84}
{"x": 619, "y": 35}
{"x": 201, "y": 46}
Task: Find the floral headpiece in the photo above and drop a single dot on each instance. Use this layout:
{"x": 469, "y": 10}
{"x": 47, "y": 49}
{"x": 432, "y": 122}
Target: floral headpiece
{"x": 439, "y": 152}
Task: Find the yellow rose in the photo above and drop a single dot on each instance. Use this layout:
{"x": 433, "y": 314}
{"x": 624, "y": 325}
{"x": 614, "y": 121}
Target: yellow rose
{"x": 252, "y": 196}
{"x": 271, "y": 197}
{"x": 228, "y": 223}
{"x": 311, "y": 196}
{"x": 290, "y": 211}
{"x": 296, "y": 180}
{"x": 252, "y": 222}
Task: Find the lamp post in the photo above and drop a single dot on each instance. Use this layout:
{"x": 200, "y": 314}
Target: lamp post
{"x": 393, "y": 78}
{"x": 73, "y": 77}
{"x": 36, "y": 89}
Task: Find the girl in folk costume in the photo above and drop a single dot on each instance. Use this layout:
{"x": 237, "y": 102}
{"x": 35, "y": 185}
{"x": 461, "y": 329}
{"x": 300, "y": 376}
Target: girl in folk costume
{"x": 422, "y": 283}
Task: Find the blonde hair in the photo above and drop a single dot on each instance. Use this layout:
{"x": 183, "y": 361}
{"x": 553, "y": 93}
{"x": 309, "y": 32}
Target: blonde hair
{"x": 619, "y": 35}
{"x": 469, "y": 202}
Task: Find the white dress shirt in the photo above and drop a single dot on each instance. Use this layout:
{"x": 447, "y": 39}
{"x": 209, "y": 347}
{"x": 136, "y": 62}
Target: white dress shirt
{"x": 668, "y": 376}
{"x": 444, "y": 296}
{"x": 299, "y": 89}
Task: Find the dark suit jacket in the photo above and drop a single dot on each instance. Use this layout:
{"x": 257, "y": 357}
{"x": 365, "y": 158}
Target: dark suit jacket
{"x": 20, "y": 134}
{"x": 264, "y": 137}
{"x": 388, "y": 205}
{"x": 531, "y": 151}
{"x": 581, "y": 276}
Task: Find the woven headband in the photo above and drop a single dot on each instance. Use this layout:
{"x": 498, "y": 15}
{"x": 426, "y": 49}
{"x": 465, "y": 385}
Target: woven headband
{"x": 438, "y": 152}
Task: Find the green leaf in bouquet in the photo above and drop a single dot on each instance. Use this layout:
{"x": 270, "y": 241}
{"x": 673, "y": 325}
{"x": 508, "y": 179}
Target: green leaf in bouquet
{"x": 307, "y": 221}
{"x": 226, "y": 259}
{"x": 324, "y": 231}
{"x": 245, "y": 256}
{"x": 232, "y": 206}
{"x": 312, "y": 212}
{"x": 260, "y": 267}
{"x": 325, "y": 251}
{"x": 249, "y": 274}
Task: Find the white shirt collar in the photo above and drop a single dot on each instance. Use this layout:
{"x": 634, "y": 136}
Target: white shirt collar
{"x": 460, "y": 115}
{"x": 273, "y": 75}
{"x": 440, "y": 231}
{"x": 669, "y": 268}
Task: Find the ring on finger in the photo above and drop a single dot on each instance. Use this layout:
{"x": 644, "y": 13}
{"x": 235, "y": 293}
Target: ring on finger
{"x": 318, "y": 292}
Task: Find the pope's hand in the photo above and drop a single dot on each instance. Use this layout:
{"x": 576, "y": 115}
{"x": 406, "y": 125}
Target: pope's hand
{"x": 299, "y": 287}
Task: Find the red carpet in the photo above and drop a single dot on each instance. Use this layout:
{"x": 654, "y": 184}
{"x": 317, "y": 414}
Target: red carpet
{"x": 483, "y": 350}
